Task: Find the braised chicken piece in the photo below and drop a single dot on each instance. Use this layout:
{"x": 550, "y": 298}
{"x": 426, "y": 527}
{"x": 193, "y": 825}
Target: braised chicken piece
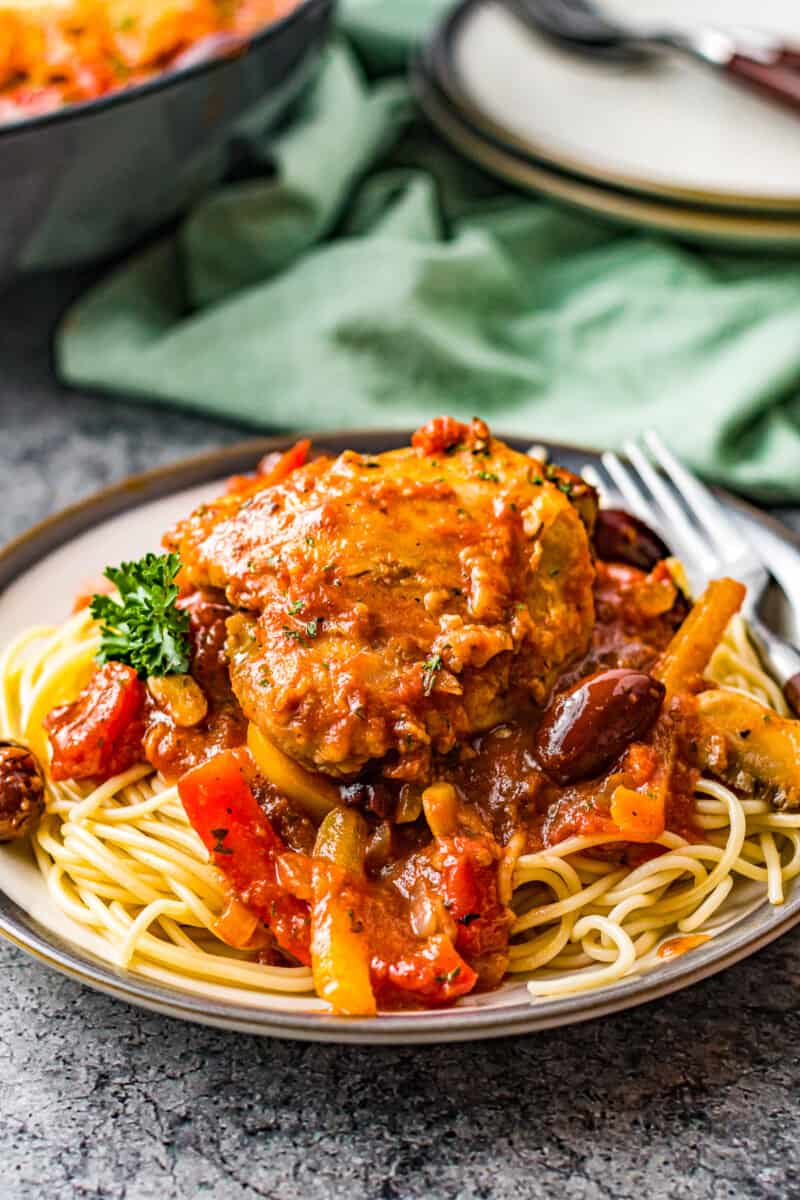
{"x": 389, "y": 606}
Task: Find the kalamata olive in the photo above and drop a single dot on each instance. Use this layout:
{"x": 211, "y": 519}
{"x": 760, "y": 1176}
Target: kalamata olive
{"x": 791, "y": 693}
{"x": 21, "y": 792}
{"x": 621, "y": 537}
{"x": 370, "y": 797}
{"x": 586, "y": 728}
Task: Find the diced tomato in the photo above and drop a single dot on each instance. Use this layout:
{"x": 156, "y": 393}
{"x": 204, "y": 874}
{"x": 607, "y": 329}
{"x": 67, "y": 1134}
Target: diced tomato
{"x": 439, "y": 434}
{"x": 223, "y": 810}
{"x": 273, "y": 468}
{"x": 100, "y": 733}
{"x": 469, "y": 888}
{"x": 432, "y": 971}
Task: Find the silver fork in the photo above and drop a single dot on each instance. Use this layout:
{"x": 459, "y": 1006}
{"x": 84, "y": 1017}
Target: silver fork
{"x": 658, "y": 488}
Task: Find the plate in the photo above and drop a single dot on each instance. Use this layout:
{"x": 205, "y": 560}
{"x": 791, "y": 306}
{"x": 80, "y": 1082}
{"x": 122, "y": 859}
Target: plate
{"x": 40, "y": 571}
{"x": 739, "y": 230}
{"x": 671, "y": 127}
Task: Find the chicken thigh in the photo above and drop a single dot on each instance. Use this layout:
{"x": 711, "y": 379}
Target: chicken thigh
{"x": 389, "y": 606}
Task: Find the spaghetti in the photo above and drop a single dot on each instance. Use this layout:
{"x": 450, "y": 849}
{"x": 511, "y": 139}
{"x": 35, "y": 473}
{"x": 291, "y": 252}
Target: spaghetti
{"x": 122, "y": 860}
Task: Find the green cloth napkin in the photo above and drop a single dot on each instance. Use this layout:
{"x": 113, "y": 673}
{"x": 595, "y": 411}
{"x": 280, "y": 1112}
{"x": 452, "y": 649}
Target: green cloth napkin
{"x": 365, "y": 275}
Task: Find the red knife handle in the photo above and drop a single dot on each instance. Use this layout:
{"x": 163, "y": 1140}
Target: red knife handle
{"x": 779, "y": 80}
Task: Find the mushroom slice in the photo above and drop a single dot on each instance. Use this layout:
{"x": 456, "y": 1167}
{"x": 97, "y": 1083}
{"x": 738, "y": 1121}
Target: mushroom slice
{"x": 749, "y": 746}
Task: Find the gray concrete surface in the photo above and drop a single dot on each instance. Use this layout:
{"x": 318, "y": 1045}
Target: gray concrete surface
{"x": 695, "y": 1096}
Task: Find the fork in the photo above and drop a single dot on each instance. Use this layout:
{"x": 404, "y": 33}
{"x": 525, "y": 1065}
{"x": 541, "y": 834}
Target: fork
{"x": 752, "y": 57}
{"x": 661, "y": 491}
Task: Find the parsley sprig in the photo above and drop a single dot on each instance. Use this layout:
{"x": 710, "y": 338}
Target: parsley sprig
{"x": 142, "y": 625}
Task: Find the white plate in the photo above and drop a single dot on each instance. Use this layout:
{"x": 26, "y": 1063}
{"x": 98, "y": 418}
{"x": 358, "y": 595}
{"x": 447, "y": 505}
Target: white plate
{"x": 735, "y": 229}
{"x": 40, "y": 572}
{"x": 674, "y": 127}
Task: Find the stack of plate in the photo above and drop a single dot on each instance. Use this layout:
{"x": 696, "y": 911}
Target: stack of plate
{"x": 670, "y": 145}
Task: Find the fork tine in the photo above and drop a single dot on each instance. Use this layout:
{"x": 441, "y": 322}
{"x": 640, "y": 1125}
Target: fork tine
{"x": 727, "y": 540}
{"x": 593, "y": 477}
{"x": 630, "y": 490}
{"x": 677, "y": 522}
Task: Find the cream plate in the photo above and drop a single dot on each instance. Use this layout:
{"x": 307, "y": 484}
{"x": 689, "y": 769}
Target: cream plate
{"x": 737, "y": 229}
{"x": 671, "y": 127}
{"x": 41, "y": 571}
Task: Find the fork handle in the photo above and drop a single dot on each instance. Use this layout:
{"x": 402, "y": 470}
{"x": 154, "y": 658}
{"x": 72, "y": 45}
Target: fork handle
{"x": 779, "y": 80}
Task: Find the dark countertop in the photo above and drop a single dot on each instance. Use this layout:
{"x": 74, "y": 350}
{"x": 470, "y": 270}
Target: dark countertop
{"x": 694, "y": 1096}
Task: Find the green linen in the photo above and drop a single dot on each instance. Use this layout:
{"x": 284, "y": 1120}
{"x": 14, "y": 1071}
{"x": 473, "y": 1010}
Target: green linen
{"x": 363, "y": 274}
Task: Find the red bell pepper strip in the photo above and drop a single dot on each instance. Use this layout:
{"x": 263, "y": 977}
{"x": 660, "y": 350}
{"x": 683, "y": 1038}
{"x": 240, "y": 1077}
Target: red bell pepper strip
{"x": 223, "y": 810}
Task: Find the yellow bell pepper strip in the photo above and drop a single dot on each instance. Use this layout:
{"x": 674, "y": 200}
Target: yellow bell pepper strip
{"x": 340, "y": 952}
{"x": 689, "y": 652}
{"x": 315, "y": 794}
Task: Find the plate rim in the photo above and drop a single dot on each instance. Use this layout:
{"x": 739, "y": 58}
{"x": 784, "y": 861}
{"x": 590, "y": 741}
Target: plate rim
{"x": 440, "y": 50}
{"x": 25, "y": 932}
{"x": 736, "y": 228}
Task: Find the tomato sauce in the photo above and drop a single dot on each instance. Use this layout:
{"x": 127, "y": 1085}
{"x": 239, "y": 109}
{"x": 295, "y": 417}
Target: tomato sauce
{"x": 171, "y": 749}
{"x": 435, "y": 923}
{"x": 679, "y": 945}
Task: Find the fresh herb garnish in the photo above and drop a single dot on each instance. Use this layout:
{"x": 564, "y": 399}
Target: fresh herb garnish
{"x": 295, "y": 607}
{"x": 430, "y": 668}
{"x": 309, "y": 630}
{"x": 142, "y": 625}
{"x": 489, "y": 476}
{"x": 449, "y": 976}
{"x": 297, "y": 634}
{"x": 220, "y": 835}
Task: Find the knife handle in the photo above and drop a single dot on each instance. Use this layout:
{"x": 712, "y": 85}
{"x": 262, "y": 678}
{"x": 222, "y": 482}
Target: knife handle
{"x": 779, "y": 80}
